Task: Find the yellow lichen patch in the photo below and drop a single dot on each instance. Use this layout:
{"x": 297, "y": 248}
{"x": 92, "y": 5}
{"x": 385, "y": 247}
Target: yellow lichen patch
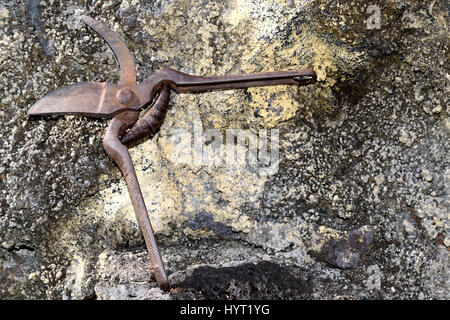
{"x": 302, "y": 49}
{"x": 325, "y": 56}
{"x": 322, "y": 235}
{"x": 240, "y": 12}
{"x": 326, "y": 61}
{"x": 329, "y": 233}
{"x": 243, "y": 223}
{"x": 273, "y": 105}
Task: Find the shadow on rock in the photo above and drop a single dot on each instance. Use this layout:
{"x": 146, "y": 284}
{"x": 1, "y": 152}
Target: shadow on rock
{"x": 264, "y": 280}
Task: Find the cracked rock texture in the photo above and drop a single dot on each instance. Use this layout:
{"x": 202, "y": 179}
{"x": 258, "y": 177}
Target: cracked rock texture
{"x": 358, "y": 208}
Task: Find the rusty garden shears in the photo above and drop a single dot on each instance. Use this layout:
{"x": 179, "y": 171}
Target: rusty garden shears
{"x": 123, "y": 101}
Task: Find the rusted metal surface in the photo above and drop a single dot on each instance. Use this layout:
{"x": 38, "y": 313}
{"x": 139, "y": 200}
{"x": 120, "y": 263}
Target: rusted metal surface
{"x": 119, "y": 153}
{"x": 90, "y": 99}
{"x": 151, "y": 120}
{"x": 123, "y": 55}
{"x": 123, "y": 101}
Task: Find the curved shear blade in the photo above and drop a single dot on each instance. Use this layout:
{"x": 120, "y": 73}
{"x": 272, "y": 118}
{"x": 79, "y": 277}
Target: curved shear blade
{"x": 123, "y": 55}
{"x": 91, "y": 99}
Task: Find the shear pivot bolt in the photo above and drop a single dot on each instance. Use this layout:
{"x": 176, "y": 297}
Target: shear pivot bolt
{"x": 125, "y": 96}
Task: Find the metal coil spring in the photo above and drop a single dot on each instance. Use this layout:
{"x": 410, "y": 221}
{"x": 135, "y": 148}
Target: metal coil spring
{"x": 151, "y": 120}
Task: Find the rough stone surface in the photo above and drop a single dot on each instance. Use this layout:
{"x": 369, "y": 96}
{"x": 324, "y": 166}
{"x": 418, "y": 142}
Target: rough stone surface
{"x": 363, "y": 153}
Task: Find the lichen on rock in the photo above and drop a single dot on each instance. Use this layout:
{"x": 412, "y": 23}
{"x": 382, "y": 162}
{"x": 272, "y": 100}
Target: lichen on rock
{"x": 362, "y": 181}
